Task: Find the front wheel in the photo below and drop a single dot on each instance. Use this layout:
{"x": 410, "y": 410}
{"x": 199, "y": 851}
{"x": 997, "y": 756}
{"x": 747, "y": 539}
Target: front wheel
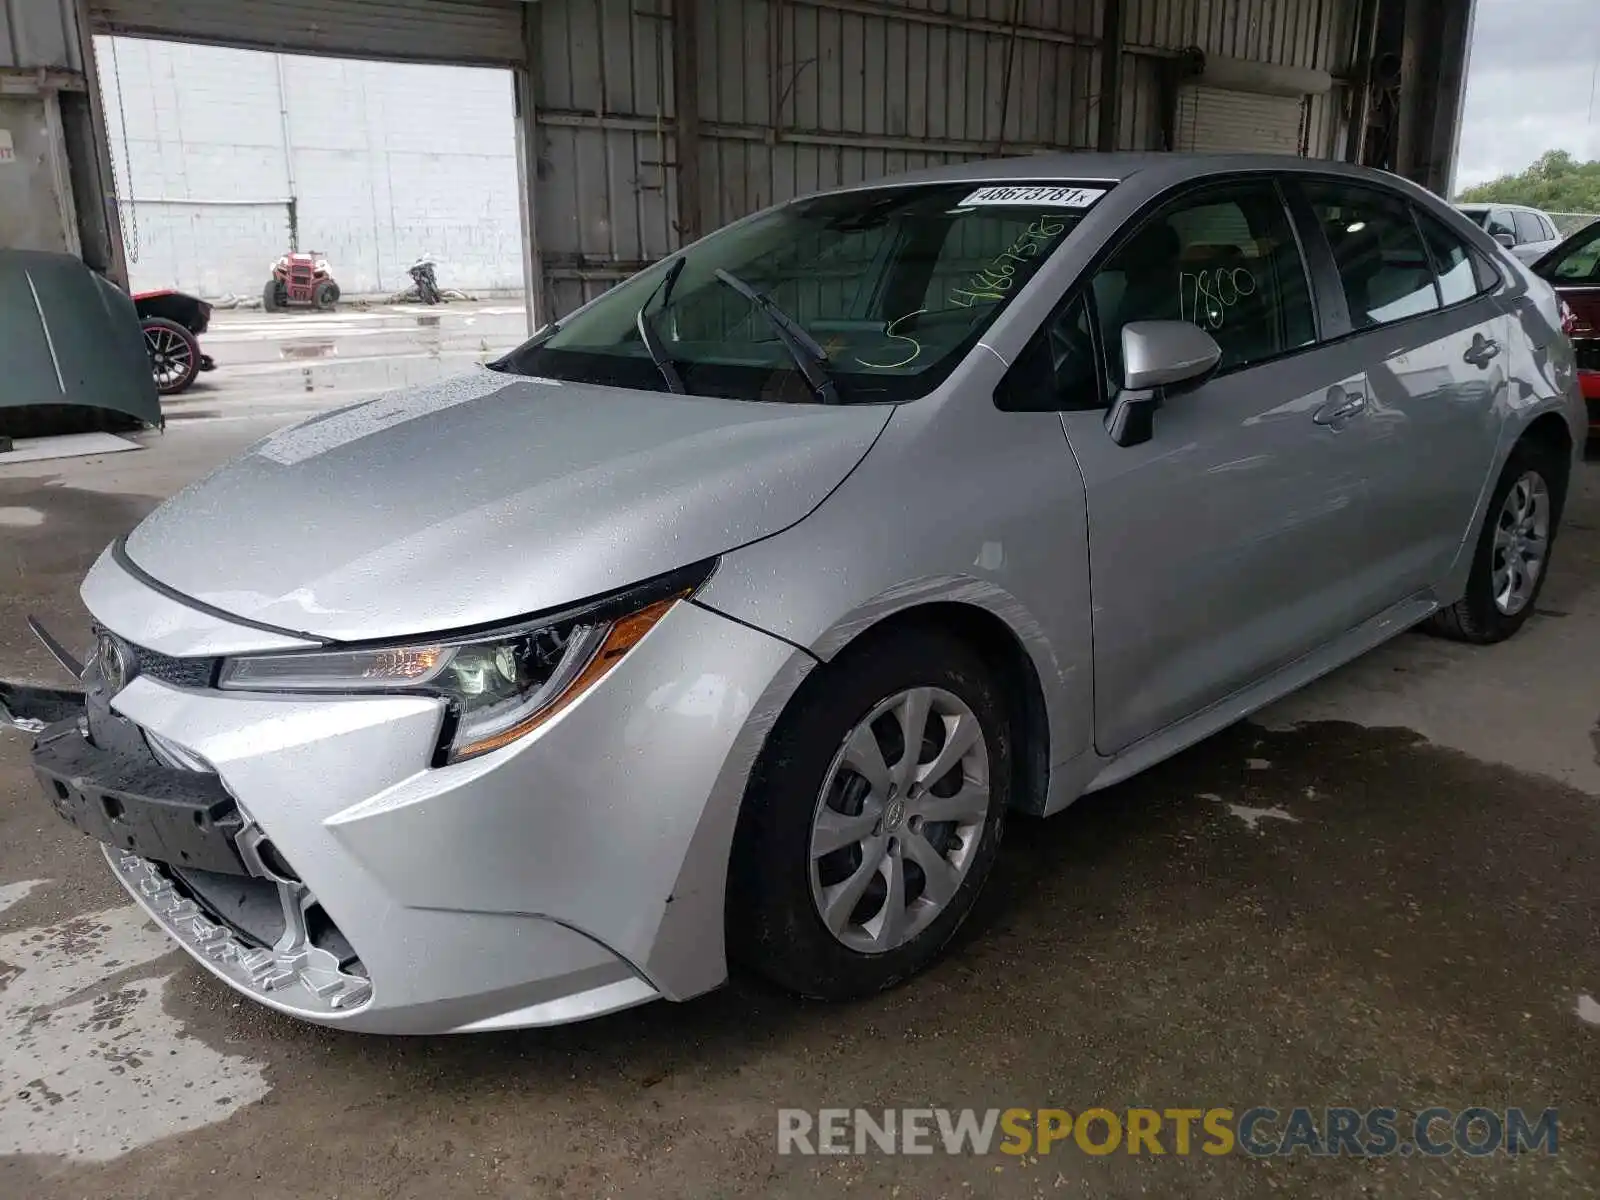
{"x": 873, "y": 817}
{"x": 326, "y": 295}
{"x": 1512, "y": 557}
{"x": 174, "y": 354}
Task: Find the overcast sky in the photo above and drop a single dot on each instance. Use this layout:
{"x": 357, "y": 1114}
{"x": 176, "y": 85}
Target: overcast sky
{"x": 1528, "y": 86}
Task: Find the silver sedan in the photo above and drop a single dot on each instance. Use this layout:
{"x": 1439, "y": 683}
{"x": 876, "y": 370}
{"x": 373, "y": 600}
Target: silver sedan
{"x": 728, "y": 618}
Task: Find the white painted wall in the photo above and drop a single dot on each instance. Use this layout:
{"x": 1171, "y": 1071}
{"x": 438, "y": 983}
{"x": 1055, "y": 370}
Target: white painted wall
{"x": 388, "y": 160}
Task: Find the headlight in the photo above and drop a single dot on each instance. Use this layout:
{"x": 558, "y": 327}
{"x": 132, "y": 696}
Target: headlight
{"x": 501, "y": 684}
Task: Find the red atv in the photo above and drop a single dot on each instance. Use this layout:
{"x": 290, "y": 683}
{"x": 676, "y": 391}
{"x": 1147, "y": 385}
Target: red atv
{"x": 300, "y": 281}
{"x": 172, "y": 324}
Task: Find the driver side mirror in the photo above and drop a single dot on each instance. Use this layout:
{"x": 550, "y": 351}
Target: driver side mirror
{"x": 1505, "y": 239}
{"x": 1158, "y": 357}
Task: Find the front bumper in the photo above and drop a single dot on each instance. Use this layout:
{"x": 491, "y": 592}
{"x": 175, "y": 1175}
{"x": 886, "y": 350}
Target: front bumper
{"x": 578, "y": 871}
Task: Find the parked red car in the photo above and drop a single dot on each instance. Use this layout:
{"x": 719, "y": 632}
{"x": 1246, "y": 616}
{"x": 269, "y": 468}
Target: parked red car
{"x": 1573, "y": 268}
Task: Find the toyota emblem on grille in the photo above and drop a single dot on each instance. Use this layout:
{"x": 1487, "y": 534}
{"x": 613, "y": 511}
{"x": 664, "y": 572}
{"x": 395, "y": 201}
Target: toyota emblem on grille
{"x": 116, "y": 663}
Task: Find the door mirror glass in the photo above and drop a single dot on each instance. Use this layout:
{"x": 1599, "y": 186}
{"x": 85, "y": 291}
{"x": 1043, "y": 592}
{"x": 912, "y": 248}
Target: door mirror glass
{"x": 1507, "y": 240}
{"x": 1160, "y": 354}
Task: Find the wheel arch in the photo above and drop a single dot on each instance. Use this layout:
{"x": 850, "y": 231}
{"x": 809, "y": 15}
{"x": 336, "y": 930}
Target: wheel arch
{"x": 978, "y": 625}
{"x": 1549, "y": 430}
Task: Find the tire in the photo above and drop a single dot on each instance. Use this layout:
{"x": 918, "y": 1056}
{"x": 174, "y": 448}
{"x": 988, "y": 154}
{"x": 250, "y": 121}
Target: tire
{"x": 777, "y": 889}
{"x": 272, "y": 296}
{"x": 325, "y": 295}
{"x": 174, "y": 354}
{"x": 1487, "y": 613}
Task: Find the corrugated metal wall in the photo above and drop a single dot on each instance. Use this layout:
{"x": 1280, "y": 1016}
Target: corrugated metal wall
{"x": 793, "y": 96}
{"x": 1298, "y": 33}
{"x": 39, "y": 33}
{"x": 797, "y": 95}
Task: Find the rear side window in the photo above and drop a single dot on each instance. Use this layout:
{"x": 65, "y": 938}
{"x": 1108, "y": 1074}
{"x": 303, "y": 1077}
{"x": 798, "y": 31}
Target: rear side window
{"x": 1225, "y": 259}
{"x": 1383, "y": 264}
{"x": 1528, "y": 228}
{"x": 1550, "y": 232}
{"x": 1452, "y": 260}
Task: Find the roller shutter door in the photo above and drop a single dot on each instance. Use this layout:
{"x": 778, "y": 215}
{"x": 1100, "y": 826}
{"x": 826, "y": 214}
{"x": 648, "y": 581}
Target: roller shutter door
{"x": 1219, "y": 120}
{"x": 484, "y": 32}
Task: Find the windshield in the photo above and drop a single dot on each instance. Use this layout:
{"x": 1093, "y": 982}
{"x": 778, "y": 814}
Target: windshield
{"x": 894, "y": 285}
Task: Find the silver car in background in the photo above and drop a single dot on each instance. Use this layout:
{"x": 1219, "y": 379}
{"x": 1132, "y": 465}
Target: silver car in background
{"x": 729, "y": 617}
{"x": 1528, "y": 233}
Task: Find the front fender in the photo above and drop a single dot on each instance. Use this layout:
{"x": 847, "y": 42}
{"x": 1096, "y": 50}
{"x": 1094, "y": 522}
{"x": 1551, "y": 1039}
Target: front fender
{"x": 957, "y": 503}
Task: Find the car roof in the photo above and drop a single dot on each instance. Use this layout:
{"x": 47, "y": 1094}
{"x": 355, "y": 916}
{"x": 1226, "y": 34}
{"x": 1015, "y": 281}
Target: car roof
{"x": 1119, "y": 167}
{"x": 1484, "y": 206}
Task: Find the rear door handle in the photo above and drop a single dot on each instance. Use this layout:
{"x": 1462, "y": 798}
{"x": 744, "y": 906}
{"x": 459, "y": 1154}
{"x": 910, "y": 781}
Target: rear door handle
{"x": 1342, "y": 406}
{"x": 1481, "y": 351}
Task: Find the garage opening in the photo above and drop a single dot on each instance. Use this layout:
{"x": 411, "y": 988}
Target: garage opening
{"x": 291, "y": 163}
{"x": 226, "y": 159}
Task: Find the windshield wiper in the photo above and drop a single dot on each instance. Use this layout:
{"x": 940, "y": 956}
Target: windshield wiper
{"x": 652, "y": 339}
{"x": 809, "y": 357}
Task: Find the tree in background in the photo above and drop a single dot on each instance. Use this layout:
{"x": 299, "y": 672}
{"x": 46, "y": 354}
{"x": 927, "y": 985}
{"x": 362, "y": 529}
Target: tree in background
{"x": 1556, "y": 182}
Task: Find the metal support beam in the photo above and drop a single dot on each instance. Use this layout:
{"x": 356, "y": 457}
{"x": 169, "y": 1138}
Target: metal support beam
{"x": 686, "y": 100}
{"x": 1110, "y": 74}
{"x": 1414, "y": 91}
{"x": 918, "y": 16}
{"x": 1455, "y": 52}
{"x": 1366, "y": 38}
{"x": 524, "y": 90}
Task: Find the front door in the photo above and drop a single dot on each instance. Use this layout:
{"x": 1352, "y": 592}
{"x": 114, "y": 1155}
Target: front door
{"x": 1576, "y": 275}
{"x": 1221, "y": 548}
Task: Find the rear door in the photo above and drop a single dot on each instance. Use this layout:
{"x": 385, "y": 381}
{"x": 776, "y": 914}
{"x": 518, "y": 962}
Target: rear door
{"x": 1219, "y": 548}
{"x": 1433, "y": 343}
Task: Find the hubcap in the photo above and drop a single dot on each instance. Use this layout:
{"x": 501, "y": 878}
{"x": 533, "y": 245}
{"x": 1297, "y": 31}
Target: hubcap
{"x": 897, "y": 824}
{"x": 1521, "y": 543}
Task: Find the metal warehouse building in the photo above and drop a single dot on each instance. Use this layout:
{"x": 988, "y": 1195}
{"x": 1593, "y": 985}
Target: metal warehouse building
{"x": 641, "y": 124}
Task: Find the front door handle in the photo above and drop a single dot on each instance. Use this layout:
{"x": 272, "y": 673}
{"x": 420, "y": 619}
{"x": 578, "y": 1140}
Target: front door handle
{"x": 1481, "y": 351}
{"x": 1342, "y": 406}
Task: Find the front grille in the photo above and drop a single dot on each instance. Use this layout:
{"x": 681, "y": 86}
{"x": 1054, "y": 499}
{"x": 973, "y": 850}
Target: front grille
{"x": 1588, "y": 354}
{"x": 164, "y": 668}
{"x": 178, "y": 672}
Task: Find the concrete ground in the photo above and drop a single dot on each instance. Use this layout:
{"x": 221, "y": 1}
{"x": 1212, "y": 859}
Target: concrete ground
{"x": 1383, "y": 892}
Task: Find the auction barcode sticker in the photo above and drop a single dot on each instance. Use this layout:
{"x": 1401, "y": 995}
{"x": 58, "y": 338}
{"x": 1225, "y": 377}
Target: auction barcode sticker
{"x": 1050, "y": 197}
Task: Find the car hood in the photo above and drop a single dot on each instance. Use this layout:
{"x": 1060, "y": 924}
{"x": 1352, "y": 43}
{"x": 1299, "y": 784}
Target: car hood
{"x": 488, "y": 496}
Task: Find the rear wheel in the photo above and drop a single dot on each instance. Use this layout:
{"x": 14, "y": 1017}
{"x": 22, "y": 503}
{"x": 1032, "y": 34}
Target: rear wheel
{"x": 174, "y": 354}
{"x": 1513, "y": 553}
{"x": 873, "y": 818}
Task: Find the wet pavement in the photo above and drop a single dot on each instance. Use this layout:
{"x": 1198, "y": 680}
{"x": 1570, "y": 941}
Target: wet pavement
{"x": 1384, "y": 891}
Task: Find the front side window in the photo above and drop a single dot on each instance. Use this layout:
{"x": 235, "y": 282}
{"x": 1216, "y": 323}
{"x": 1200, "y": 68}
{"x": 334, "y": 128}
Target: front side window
{"x": 1581, "y": 262}
{"x": 1498, "y": 221}
{"x": 1528, "y": 227}
{"x": 893, "y": 285}
{"x": 1383, "y": 265}
{"x": 1225, "y": 259}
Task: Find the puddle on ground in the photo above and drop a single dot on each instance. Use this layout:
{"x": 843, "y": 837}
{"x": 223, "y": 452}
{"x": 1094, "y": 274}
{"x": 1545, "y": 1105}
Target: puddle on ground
{"x": 91, "y": 1065}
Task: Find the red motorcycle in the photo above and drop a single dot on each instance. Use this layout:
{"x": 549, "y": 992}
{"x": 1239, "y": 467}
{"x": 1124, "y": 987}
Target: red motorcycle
{"x": 172, "y": 323}
{"x": 300, "y": 280}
